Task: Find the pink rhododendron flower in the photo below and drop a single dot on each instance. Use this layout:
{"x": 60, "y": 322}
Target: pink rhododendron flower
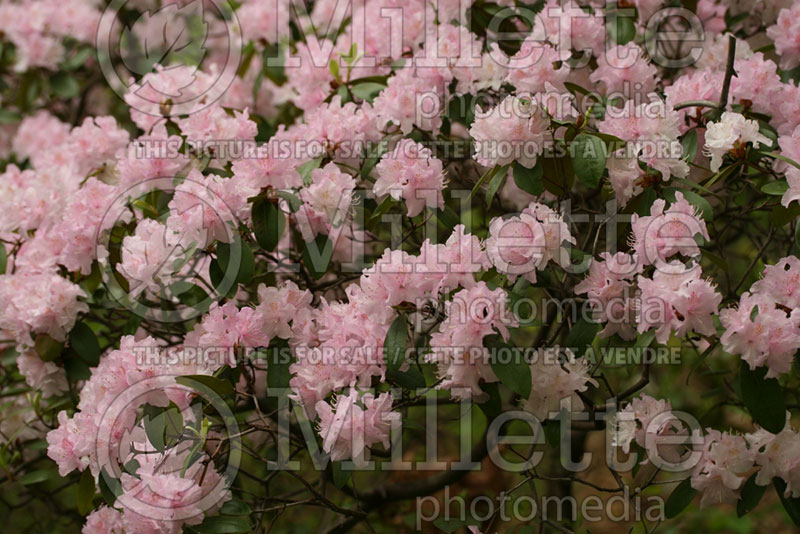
{"x": 412, "y": 173}
{"x": 354, "y": 424}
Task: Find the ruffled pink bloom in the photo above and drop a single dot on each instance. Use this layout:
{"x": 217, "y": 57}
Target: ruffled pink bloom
{"x": 677, "y": 300}
{"x": 327, "y": 200}
{"x": 761, "y": 333}
{"x": 412, "y": 173}
{"x": 786, "y": 35}
{"x": 556, "y": 376}
{"x": 651, "y": 131}
{"x": 514, "y": 130}
{"x": 533, "y": 67}
{"x": 348, "y": 430}
{"x": 722, "y": 469}
{"x": 38, "y": 133}
{"x": 457, "y": 347}
{"x": 623, "y": 70}
{"x": 610, "y": 289}
{"x": 662, "y": 234}
{"x": 33, "y": 304}
{"x": 206, "y": 208}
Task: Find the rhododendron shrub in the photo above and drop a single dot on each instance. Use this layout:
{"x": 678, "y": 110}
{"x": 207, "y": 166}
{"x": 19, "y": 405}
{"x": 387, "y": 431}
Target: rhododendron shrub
{"x": 282, "y": 266}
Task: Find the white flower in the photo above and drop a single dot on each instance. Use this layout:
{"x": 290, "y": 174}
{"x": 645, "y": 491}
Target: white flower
{"x": 723, "y": 136}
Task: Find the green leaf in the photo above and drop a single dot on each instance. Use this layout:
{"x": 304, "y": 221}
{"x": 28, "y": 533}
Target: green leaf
{"x": 790, "y": 504}
{"x": 495, "y": 184}
{"x": 47, "y": 348}
{"x": 3, "y": 258}
{"x": 280, "y": 359}
{"x": 529, "y": 180}
{"x": 334, "y": 68}
{"x": 622, "y": 29}
{"x": 451, "y": 524}
{"x": 410, "y": 379}
{"x": 588, "y": 159}
{"x": 246, "y": 263}
{"x": 235, "y": 507}
{"x": 110, "y": 487}
{"x": 65, "y": 85}
{"x": 689, "y": 145}
{"x": 86, "y": 491}
{"x": 268, "y": 223}
{"x": 340, "y": 476}
{"x": 395, "y": 344}
{"x": 35, "y": 477}
{"x": 509, "y": 365}
{"x": 777, "y": 188}
{"x": 763, "y": 398}
{"x": 317, "y": 255}
{"x": 306, "y": 168}
{"x": 751, "y": 496}
{"x": 680, "y": 498}
{"x": 218, "y": 385}
{"x": 292, "y": 199}
{"x": 582, "y": 335}
{"x": 75, "y": 367}
{"x": 486, "y": 176}
{"x": 9, "y": 117}
{"x": 84, "y": 341}
{"x": 78, "y": 59}
{"x": 163, "y": 426}
{"x": 493, "y": 405}
{"x": 367, "y": 91}
{"x": 222, "y": 524}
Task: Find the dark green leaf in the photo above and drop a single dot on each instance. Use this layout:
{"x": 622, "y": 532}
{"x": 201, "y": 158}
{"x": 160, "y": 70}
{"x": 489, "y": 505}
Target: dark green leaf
{"x": 790, "y": 504}
{"x": 65, "y": 85}
{"x": 680, "y": 498}
{"x": 622, "y": 29}
{"x": 84, "y": 341}
{"x": 222, "y": 525}
{"x": 268, "y": 223}
{"x": 317, "y": 255}
{"x": 410, "y": 379}
{"x": 751, "y": 496}
{"x": 86, "y": 491}
{"x": 35, "y": 477}
{"x": 495, "y": 184}
{"x": 47, "y": 348}
{"x": 235, "y": 507}
{"x": 529, "y": 180}
{"x": 221, "y": 387}
{"x": 689, "y": 145}
{"x": 763, "y": 398}
{"x": 509, "y": 365}
{"x": 582, "y": 335}
{"x": 280, "y": 358}
{"x": 588, "y": 159}
{"x": 395, "y": 344}
{"x": 340, "y": 476}
{"x": 110, "y": 487}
